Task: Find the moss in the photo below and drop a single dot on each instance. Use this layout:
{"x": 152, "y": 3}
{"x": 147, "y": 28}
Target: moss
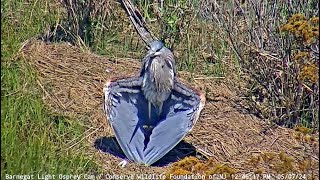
{"x": 304, "y": 165}
{"x": 315, "y": 20}
{"x": 297, "y": 136}
{"x": 221, "y": 169}
{"x": 309, "y": 139}
{"x": 259, "y": 171}
{"x": 268, "y": 156}
{"x": 183, "y": 167}
{"x": 302, "y": 134}
{"x": 187, "y": 163}
{"x": 272, "y": 162}
{"x": 254, "y": 160}
{"x": 200, "y": 167}
{"x": 285, "y": 165}
{"x": 302, "y": 129}
{"x": 192, "y": 165}
{"x": 181, "y": 172}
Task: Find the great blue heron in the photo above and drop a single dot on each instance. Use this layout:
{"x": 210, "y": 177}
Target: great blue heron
{"x": 158, "y": 72}
{"x": 127, "y": 102}
{"x": 158, "y": 67}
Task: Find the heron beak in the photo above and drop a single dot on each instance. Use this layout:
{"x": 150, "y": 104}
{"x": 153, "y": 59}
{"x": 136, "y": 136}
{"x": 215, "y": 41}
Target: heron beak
{"x": 157, "y": 53}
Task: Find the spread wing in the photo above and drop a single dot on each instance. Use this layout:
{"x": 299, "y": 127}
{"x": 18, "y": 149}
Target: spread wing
{"x": 121, "y": 99}
{"x": 180, "y": 113}
{"x": 126, "y": 109}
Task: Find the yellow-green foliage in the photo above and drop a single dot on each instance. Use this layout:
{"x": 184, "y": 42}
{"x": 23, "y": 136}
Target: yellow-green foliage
{"x": 308, "y": 138}
{"x": 305, "y": 165}
{"x": 308, "y": 31}
{"x": 310, "y": 72}
{"x": 192, "y": 165}
{"x": 301, "y": 27}
{"x": 264, "y": 162}
{"x": 268, "y": 156}
{"x": 254, "y": 160}
{"x": 303, "y": 134}
{"x": 221, "y": 169}
{"x": 259, "y": 170}
{"x": 285, "y": 165}
{"x": 302, "y": 129}
{"x": 275, "y": 162}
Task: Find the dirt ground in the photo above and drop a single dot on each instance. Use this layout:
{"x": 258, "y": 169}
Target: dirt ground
{"x": 72, "y": 81}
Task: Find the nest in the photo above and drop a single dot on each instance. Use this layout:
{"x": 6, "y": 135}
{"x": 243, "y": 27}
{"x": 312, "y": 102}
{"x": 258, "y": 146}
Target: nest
{"x": 72, "y": 81}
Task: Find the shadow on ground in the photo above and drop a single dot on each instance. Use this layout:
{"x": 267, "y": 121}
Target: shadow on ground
{"x": 180, "y": 151}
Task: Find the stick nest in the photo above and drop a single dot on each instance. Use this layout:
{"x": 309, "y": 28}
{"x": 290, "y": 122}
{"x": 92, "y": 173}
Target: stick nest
{"x": 226, "y": 138}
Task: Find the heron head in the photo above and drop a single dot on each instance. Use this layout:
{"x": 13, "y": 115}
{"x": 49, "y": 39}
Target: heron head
{"x": 163, "y": 61}
{"x": 156, "y": 45}
{"x": 161, "y": 56}
{"x": 164, "y": 53}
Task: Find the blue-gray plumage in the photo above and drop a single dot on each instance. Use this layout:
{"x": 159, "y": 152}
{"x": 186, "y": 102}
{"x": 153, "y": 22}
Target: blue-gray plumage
{"x": 158, "y": 72}
{"x": 125, "y": 106}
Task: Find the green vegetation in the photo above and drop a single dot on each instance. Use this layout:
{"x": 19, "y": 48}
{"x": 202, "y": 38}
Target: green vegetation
{"x": 33, "y": 141}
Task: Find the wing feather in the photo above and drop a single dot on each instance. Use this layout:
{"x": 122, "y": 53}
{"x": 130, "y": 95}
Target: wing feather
{"x": 181, "y": 112}
{"x": 126, "y": 109}
{"x": 123, "y": 117}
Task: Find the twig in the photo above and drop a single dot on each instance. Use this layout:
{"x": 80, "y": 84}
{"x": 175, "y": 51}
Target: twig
{"x": 203, "y": 152}
{"x": 274, "y": 140}
{"x": 61, "y": 105}
{"x": 83, "y": 138}
{"x": 211, "y": 77}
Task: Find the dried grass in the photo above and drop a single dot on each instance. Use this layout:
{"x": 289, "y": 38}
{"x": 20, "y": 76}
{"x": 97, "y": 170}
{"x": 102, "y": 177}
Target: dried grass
{"x": 72, "y": 81}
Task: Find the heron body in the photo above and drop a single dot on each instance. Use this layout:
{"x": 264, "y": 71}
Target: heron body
{"x": 128, "y": 102}
{"x": 158, "y": 72}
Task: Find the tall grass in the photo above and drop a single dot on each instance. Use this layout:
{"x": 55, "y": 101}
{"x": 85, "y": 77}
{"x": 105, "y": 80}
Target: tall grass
{"x": 33, "y": 141}
{"x": 279, "y": 59}
{"x": 108, "y": 31}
